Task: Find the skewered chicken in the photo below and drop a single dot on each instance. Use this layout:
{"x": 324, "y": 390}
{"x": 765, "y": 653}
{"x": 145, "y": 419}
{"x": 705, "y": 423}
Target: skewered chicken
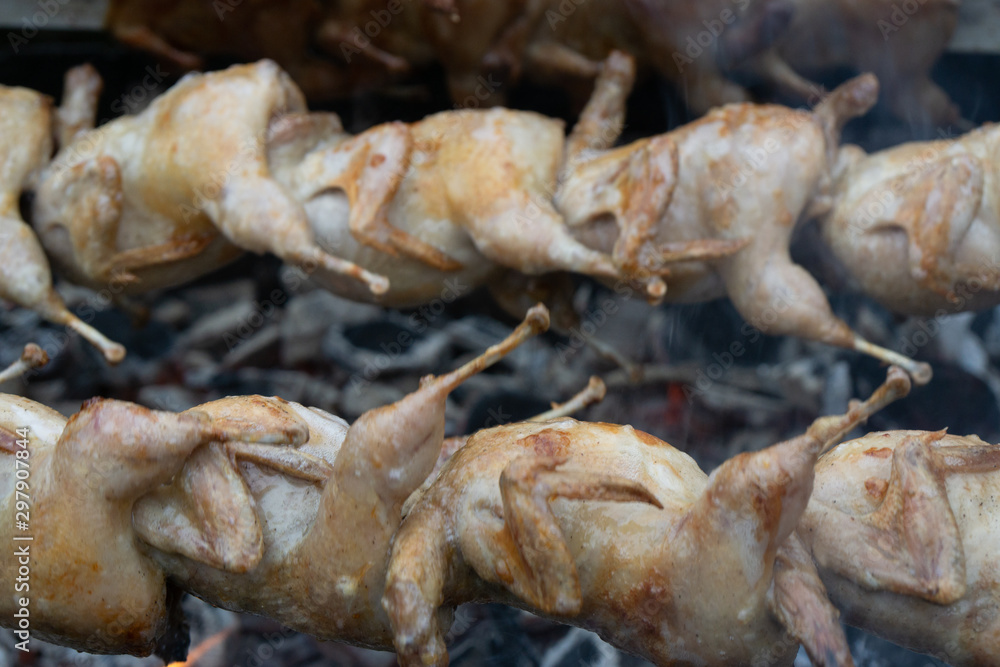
{"x": 742, "y": 174}
{"x": 682, "y": 568}
{"x": 164, "y": 196}
{"x": 903, "y": 526}
{"x": 68, "y": 486}
{"x": 249, "y": 168}
{"x": 712, "y": 204}
{"x": 918, "y": 225}
{"x": 25, "y": 277}
{"x": 301, "y": 534}
{"x": 477, "y": 194}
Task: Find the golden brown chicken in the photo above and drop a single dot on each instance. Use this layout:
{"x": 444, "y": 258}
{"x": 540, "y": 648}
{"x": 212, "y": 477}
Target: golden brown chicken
{"x": 744, "y": 174}
{"x": 75, "y": 570}
{"x": 395, "y": 214}
{"x": 905, "y": 530}
{"x": 476, "y": 194}
{"x": 299, "y": 532}
{"x": 918, "y": 226}
{"x": 159, "y": 198}
{"x": 302, "y": 534}
{"x": 404, "y": 214}
{"x": 26, "y": 129}
{"x": 682, "y": 568}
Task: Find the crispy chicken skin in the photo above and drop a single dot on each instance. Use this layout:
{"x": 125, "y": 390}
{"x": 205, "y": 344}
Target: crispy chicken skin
{"x": 918, "y": 225}
{"x": 682, "y": 568}
{"x": 164, "y": 196}
{"x": 733, "y": 184}
{"x": 89, "y": 586}
{"x": 26, "y": 129}
{"x": 301, "y": 534}
{"x": 904, "y": 527}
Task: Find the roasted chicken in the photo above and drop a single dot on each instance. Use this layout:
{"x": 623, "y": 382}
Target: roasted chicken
{"x": 301, "y": 534}
{"x": 249, "y": 168}
{"x": 402, "y": 214}
{"x": 903, "y": 526}
{"x": 476, "y": 195}
{"x": 744, "y": 174}
{"x": 253, "y": 503}
{"x": 180, "y": 189}
{"x": 26, "y": 136}
{"x": 69, "y": 486}
{"x": 680, "y": 568}
{"x": 918, "y": 226}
